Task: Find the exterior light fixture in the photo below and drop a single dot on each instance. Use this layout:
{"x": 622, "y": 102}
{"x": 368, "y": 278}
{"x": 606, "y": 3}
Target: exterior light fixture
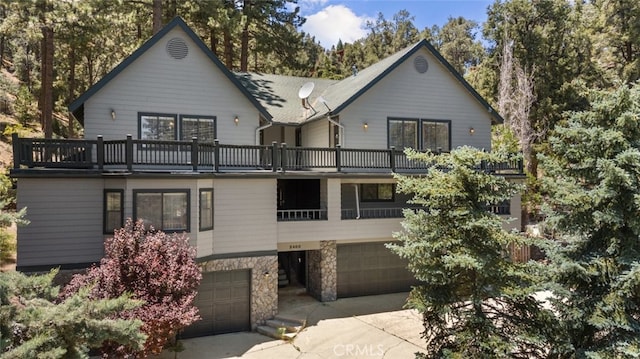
{"x": 113, "y": 114}
{"x": 472, "y": 131}
{"x": 236, "y": 120}
{"x": 266, "y": 274}
{"x": 365, "y": 126}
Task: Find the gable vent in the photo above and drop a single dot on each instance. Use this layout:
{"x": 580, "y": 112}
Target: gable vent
{"x": 420, "y": 64}
{"x": 177, "y": 48}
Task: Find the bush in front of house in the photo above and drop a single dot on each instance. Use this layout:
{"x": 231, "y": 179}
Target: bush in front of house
{"x": 35, "y": 324}
{"x": 154, "y": 267}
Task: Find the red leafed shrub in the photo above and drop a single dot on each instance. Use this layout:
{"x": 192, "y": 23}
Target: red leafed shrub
{"x": 155, "y": 267}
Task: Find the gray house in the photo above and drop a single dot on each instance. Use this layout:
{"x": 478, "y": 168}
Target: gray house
{"x": 276, "y": 180}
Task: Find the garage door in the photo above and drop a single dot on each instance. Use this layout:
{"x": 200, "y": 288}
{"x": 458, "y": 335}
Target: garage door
{"x": 224, "y": 301}
{"x": 371, "y": 268}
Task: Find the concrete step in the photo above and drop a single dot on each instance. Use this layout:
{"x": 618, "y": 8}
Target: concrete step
{"x": 281, "y": 328}
{"x": 275, "y": 333}
{"x": 291, "y": 325}
{"x": 283, "y": 282}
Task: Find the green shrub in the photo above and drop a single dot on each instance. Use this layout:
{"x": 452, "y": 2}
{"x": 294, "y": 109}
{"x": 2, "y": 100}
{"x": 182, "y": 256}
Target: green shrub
{"x": 7, "y": 245}
{"x": 25, "y": 106}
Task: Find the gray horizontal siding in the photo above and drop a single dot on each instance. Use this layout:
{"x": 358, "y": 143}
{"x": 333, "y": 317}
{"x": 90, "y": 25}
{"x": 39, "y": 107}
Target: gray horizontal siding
{"x": 65, "y": 221}
{"x": 405, "y": 93}
{"x": 158, "y": 83}
{"x": 245, "y": 216}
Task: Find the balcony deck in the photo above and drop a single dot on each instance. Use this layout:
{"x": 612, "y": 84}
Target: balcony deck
{"x": 139, "y": 155}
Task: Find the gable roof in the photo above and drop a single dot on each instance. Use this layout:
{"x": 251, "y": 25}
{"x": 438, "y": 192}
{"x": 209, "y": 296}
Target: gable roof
{"x": 278, "y": 94}
{"x": 275, "y": 96}
{"x": 343, "y": 93}
{"x": 77, "y": 106}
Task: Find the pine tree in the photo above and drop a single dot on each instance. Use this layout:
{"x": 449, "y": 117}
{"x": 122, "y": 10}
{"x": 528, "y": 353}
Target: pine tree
{"x": 475, "y": 301}
{"x": 34, "y": 324}
{"x": 457, "y": 42}
{"x": 592, "y": 177}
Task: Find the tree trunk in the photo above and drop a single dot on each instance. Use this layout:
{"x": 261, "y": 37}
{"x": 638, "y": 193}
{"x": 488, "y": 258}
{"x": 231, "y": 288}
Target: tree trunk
{"x": 244, "y": 50}
{"x": 157, "y": 16}
{"x": 228, "y": 50}
{"x": 244, "y": 38}
{"x": 72, "y": 87}
{"x": 46, "y": 91}
{"x": 214, "y": 41}
{"x": 90, "y": 67}
{"x": 1, "y": 51}
{"x": 3, "y": 14}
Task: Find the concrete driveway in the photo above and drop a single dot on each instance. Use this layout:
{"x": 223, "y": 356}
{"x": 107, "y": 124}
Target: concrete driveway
{"x": 363, "y": 327}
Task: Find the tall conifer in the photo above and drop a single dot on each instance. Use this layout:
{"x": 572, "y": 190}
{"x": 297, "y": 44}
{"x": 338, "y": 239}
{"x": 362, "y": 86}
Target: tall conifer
{"x": 475, "y": 301}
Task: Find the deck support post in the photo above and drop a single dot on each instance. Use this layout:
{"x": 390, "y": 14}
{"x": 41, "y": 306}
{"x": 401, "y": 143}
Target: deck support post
{"x": 100, "y": 152}
{"x": 216, "y": 155}
{"x": 194, "y": 153}
{"x": 128, "y": 152}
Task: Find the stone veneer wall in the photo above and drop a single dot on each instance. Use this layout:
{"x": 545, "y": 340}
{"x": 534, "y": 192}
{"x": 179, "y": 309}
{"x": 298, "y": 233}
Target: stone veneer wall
{"x": 322, "y": 272}
{"x": 264, "y": 287}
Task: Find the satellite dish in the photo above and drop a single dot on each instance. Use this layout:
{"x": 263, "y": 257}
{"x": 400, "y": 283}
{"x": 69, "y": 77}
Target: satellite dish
{"x": 305, "y": 90}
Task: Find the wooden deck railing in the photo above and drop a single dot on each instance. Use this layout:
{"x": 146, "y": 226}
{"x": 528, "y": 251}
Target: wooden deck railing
{"x": 130, "y": 154}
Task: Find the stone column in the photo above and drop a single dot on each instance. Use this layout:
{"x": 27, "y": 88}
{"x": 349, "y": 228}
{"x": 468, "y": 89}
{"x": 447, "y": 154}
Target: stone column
{"x": 328, "y": 271}
{"x": 264, "y": 289}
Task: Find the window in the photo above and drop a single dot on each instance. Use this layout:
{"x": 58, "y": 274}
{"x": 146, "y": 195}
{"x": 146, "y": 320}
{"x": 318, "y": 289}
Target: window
{"x": 113, "y": 213}
{"x": 166, "y": 210}
{"x": 157, "y": 126}
{"x": 377, "y": 192}
{"x": 403, "y": 133}
{"x": 206, "y": 209}
{"x": 335, "y": 137}
{"x": 202, "y": 127}
{"x": 435, "y": 135}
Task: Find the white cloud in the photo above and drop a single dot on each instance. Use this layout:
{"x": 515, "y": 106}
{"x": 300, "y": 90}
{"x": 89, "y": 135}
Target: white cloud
{"x": 335, "y": 22}
{"x": 306, "y": 5}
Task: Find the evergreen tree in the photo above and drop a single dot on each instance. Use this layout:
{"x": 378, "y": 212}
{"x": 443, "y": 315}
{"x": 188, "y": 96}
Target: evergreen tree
{"x": 547, "y": 39}
{"x": 615, "y": 31}
{"x": 155, "y": 267}
{"x": 33, "y": 324}
{"x": 592, "y": 177}
{"x": 457, "y": 43}
{"x": 475, "y": 301}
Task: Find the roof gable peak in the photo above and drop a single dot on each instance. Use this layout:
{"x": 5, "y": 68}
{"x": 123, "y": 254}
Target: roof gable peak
{"x": 177, "y": 21}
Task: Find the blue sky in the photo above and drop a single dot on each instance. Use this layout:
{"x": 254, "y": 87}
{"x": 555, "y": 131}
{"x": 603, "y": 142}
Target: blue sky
{"x": 330, "y": 20}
